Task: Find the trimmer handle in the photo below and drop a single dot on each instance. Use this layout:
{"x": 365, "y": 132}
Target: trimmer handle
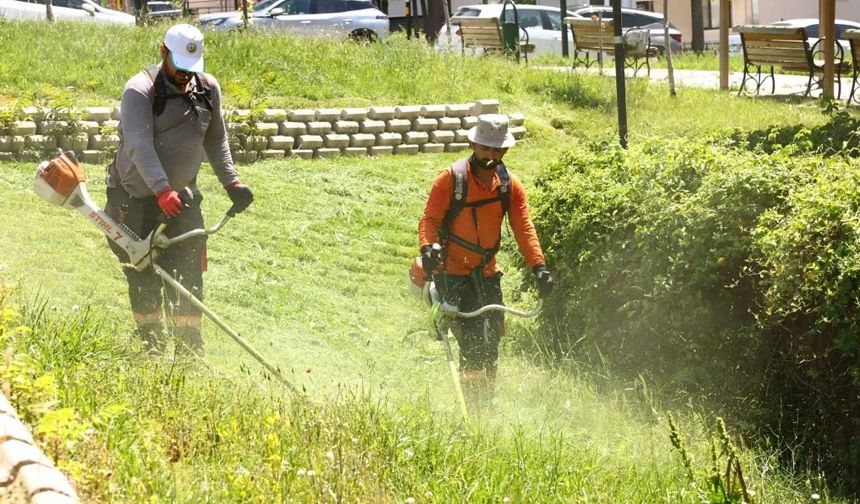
{"x": 233, "y": 210}
{"x": 185, "y": 197}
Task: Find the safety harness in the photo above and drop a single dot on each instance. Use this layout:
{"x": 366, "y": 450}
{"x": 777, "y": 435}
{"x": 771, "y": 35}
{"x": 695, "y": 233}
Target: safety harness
{"x": 459, "y": 172}
{"x": 199, "y": 95}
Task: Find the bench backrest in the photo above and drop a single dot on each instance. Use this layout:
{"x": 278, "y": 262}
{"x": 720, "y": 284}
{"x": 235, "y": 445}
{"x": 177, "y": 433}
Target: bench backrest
{"x": 853, "y": 38}
{"x": 587, "y": 34}
{"x": 784, "y": 46}
{"x": 478, "y": 32}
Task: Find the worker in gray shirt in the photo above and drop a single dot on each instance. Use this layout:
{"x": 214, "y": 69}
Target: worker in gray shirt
{"x": 170, "y": 116}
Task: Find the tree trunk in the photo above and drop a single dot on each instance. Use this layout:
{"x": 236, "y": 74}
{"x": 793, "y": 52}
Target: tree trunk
{"x": 49, "y": 10}
{"x": 698, "y": 42}
{"x": 668, "y": 48}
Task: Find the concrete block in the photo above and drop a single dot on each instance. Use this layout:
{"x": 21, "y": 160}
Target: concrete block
{"x": 346, "y": 127}
{"x": 354, "y": 151}
{"x": 247, "y": 156}
{"x": 442, "y": 137}
{"x": 266, "y": 128}
{"x": 238, "y": 128}
{"x": 16, "y": 144}
{"x": 449, "y": 123}
{"x": 336, "y": 141}
{"x": 239, "y": 115}
{"x": 97, "y": 114}
{"x": 52, "y": 127}
{"x": 456, "y": 147}
{"x": 469, "y": 122}
{"x": 518, "y": 131}
{"x": 461, "y": 136}
{"x": 255, "y": 142}
{"x": 30, "y": 156}
{"x": 407, "y": 111}
{"x": 273, "y": 154}
{"x": 32, "y": 113}
{"x": 432, "y": 148}
{"x": 319, "y": 128}
{"x": 6, "y": 156}
{"x": 39, "y": 478}
{"x": 381, "y": 113}
{"x": 89, "y": 127}
{"x": 281, "y": 142}
{"x": 424, "y": 124}
{"x": 371, "y": 126}
{"x": 293, "y": 129}
{"x": 302, "y": 115}
{"x": 274, "y": 115}
{"x": 328, "y": 114}
{"x": 398, "y": 125}
{"x": 517, "y": 119}
{"x": 15, "y": 454}
{"x": 234, "y": 142}
{"x": 485, "y": 107}
{"x": 362, "y": 140}
{"x": 91, "y": 156}
{"x": 326, "y": 152}
{"x": 458, "y": 110}
{"x": 58, "y": 113}
{"x": 353, "y": 114}
{"x": 115, "y": 113}
{"x": 75, "y": 142}
{"x": 22, "y": 128}
{"x": 389, "y": 139}
{"x": 433, "y": 111}
{"x": 302, "y": 153}
{"x": 406, "y": 149}
{"x": 415, "y": 137}
{"x": 109, "y": 126}
{"x": 381, "y": 150}
{"x": 6, "y": 146}
{"x": 104, "y": 142}
{"x": 309, "y": 142}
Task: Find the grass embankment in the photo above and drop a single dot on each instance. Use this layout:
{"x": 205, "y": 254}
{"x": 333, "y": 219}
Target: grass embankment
{"x": 313, "y": 275}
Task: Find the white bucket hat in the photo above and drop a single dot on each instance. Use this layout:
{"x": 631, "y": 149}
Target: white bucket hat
{"x": 492, "y": 131}
{"x": 186, "y": 47}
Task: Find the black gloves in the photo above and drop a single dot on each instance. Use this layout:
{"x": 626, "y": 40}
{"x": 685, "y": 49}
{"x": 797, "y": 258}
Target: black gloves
{"x": 240, "y": 195}
{"x": 429, "y": 260}
{"x": 544, "y": 281}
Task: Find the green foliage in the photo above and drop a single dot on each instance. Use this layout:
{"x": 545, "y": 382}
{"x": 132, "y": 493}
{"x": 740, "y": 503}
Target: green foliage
{"x": 716, "y": 268}
{"x": 839, "y": 136}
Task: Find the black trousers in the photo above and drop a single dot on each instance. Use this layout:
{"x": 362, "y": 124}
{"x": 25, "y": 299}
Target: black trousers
{"x": 185, "y": 260}
{"x": 478, "y": 337}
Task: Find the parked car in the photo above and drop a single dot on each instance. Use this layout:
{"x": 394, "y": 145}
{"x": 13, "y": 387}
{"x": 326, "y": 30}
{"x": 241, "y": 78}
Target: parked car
{"x": 160, "y": 9}
{"x": 357, "y": 19}
{"x": 541, "y": 23}
{"x": 636, "y": 18}
{"x": 811, "y": 25}
{"x": 80, "y": 10}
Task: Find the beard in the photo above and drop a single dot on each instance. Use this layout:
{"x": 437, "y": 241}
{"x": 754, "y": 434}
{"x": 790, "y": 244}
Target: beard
{"x": 486, "y": 164}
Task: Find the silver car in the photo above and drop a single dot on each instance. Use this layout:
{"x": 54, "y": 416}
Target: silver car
{"x": 636, "y": 18}
{"x": 356, "y": 19}
{"x": 64, "y": 10}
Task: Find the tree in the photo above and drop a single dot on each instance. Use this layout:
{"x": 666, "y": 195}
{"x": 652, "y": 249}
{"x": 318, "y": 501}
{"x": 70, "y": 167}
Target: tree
{"x": 668, "y": 48}
{"x": 698, "y": 42}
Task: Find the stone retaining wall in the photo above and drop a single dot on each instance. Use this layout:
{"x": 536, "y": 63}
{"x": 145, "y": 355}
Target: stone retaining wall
{"x": 23, "y": 464}
{"x": 273, "y": 134}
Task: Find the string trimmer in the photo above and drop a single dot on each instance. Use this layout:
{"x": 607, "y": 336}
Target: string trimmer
{"x": 61, "y": 182}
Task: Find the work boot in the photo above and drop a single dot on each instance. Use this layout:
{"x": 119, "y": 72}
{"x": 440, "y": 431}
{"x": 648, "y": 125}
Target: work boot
{"x": 152, "y": 338}
{"x": 189, "y": 340}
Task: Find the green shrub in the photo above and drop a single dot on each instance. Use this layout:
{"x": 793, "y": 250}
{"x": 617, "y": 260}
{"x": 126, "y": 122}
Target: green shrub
{"x": 840, "y": 135}
{"x": 716, "y": 268}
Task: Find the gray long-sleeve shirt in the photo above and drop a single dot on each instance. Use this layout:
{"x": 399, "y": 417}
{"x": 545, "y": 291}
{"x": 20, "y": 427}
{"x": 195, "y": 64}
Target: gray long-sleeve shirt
{"x": 163, "y": 151}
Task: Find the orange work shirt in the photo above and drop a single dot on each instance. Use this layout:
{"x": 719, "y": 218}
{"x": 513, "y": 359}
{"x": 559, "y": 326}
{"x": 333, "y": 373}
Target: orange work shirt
{"x": 483, "y": 231}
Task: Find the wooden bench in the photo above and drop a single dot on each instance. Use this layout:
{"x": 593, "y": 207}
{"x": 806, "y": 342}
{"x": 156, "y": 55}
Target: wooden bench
{"x": 486, "y": 34}
{"x": 786, "y": 47}
{"x": 853, "y": 38}
{"x": 597, "y": 36}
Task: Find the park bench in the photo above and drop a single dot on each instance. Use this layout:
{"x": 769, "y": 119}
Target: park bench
{"x": 486, "y": 34}
{"x": 786, "y": 47}
{"x": 597, "y": 36}
{"x": 853, "y": 38}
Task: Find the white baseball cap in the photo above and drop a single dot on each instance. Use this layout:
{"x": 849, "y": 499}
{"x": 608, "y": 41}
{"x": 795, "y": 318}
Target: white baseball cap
{"x": 492, "y": 131}
{"x": 186, "y": 47}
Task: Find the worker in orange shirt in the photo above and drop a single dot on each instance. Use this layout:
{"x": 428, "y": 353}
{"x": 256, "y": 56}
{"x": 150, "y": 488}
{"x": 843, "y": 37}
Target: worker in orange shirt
{"x": 464, "y": 213}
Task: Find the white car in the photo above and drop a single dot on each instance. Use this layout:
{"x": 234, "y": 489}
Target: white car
{"x": 356, "y": 19}
{"x": 541, "y": 23}
{"x": 636, "y": 18}
{"x": 80, "y": 10}
{"x": 811, "y": 25}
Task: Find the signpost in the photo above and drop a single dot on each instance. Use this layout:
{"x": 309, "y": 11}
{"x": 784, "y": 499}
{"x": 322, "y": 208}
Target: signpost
{"x": 620, "y": 90}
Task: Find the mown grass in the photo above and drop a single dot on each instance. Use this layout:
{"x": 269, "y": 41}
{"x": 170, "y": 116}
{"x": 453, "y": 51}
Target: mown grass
{"x": 314, "y": 276}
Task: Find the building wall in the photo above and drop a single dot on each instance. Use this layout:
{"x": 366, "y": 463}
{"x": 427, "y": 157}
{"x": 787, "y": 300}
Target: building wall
{"x": 744, "y": 12}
